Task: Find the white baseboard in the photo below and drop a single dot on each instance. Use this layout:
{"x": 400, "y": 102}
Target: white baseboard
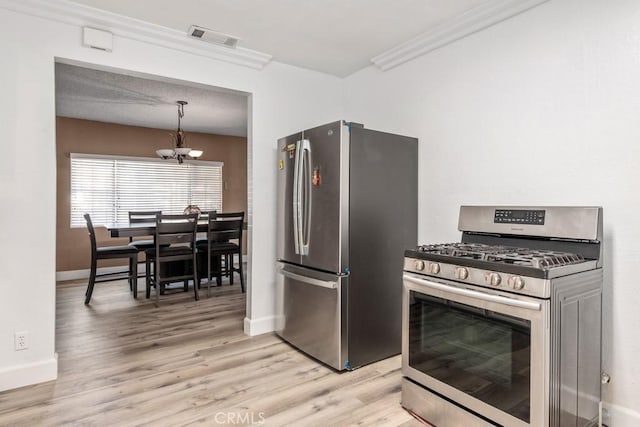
{"x": 259, "y": 326}
{"x": 29, "y": 373}
{"x": 619, "y": 416}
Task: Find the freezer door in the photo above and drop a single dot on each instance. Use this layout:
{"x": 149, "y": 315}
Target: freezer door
{"x": 287, "y": 231}
{"x": 323, "y": 187}
{"x": 313, "y": 314}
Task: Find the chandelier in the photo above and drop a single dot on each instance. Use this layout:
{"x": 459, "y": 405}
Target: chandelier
{"x": 180, "y": 152}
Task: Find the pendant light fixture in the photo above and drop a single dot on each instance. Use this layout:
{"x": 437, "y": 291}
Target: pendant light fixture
{"x": 180, "y": 152}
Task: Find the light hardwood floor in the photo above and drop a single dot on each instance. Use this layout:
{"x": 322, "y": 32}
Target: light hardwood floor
{"x": 127, "y": 362}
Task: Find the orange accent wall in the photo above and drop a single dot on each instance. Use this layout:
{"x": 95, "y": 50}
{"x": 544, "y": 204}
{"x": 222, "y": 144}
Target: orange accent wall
{"x": 84, "y": 136}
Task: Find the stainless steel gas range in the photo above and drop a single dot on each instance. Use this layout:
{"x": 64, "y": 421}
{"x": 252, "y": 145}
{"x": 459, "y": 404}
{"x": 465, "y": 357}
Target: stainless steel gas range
{"x": 504, "y": 327}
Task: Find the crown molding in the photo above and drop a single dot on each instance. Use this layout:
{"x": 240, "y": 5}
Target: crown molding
{"x": 476, "y": 19}
{"x": 80, "y": 15}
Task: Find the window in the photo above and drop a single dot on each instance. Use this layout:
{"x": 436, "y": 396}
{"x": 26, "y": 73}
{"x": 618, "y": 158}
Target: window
{"x": 108, "y": 187}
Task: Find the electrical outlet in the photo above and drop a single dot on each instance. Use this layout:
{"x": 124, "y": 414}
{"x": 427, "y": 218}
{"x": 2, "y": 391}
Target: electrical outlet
{"x": 21, "y": 340}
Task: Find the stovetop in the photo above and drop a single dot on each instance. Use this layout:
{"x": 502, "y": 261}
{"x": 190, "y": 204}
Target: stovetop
{"x": 523, "y": 250}
{"x": 528, "y": 262}
{"x": 539, "y": 259}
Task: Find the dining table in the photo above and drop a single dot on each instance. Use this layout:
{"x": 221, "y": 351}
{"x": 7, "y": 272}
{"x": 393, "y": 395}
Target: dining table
{"x": 136, "y": 229}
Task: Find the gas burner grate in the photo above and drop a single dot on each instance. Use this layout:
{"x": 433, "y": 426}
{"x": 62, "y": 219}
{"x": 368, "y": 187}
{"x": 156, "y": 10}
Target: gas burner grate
{"x": 466, "y": 250}
{"x": 539, "y": 259}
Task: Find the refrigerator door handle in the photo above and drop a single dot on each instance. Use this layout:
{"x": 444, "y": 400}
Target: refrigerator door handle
{"x": 296, "y": 199}
{"x": 305, "y": 211}
{"x": 309, "y": 280}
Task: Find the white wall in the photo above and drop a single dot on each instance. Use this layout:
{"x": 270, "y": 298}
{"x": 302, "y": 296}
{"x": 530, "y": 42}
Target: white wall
{"x": 284, "y": 100}
{"x": 542, "y": 109}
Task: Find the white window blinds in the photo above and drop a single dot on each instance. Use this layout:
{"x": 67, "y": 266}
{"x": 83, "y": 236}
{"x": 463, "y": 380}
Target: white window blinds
{"x": 108, "y": 187}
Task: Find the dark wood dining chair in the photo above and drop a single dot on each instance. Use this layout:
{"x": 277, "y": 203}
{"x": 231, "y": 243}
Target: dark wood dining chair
{"x": 228, "y": 256}
{"x": 137, "y": 217}
{"x": 204, "y": 216}
{"x": 107, "y": 252}
{"x": 223, "y": 229}
{"x": 174, "y": 253}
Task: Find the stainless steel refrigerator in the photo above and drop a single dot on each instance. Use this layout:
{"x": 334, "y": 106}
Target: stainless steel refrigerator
{"x": 347, "y": 204}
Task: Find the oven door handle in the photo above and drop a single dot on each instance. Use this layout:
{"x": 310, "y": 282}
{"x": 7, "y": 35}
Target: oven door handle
{"x": 474, "y": 294}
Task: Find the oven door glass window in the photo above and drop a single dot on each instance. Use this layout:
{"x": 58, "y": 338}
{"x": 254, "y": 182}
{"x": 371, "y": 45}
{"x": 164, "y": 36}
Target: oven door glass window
{"x": 482, "y": 353}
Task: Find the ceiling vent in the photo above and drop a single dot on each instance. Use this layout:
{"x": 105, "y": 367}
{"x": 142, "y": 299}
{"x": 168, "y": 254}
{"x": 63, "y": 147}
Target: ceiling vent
{"x": 212, "y": 37}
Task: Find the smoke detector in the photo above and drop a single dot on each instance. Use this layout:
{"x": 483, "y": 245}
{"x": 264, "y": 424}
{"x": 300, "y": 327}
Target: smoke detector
{"x": 212, "y": 37}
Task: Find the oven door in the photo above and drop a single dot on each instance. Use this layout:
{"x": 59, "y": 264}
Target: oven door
{"x": 485, "y": 350}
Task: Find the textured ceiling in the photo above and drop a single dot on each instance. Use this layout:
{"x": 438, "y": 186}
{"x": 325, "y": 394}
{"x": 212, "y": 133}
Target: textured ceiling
{"x": 334, "y": 36}
{"x": 103, "y": 96}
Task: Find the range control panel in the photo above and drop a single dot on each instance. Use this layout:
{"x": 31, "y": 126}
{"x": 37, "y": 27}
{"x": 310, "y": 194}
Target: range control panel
{"x": 517, "y": 216}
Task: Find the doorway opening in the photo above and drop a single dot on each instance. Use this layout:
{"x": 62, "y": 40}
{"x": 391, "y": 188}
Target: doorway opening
{"x": 113, "y": 113}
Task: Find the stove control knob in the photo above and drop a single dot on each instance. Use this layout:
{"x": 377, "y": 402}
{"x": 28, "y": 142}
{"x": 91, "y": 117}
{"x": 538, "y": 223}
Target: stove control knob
{"x": 418, "y": 265}
{"x": 462, "y": 273}
{"x": 492, "y": 279}
{"x": 516, "y": 282}
{"x": 434, "y": 268}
